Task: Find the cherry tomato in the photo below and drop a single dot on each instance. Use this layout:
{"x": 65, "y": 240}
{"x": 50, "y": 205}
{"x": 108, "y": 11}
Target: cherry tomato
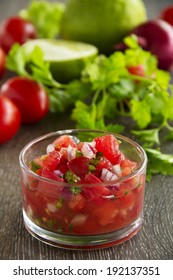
{"x": 15, "y": 30}
{"x": 137, "y": 70}
{"x": 9, "y": 119}
{"x": 2, "y": 62}
{"x": 167, "y": 15}
{"x": 30, "y": 98}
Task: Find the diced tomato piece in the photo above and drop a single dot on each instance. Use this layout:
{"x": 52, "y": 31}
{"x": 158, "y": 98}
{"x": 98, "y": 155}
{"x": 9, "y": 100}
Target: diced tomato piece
{"x": 127, "y": 200}
{"x": 80, "y": 145}
{"x": 47, "y": 189}
{"x": 109, "y": 146}
{"x": 84, "y": 224}
{"x": 103, "y": 163}
{"x": 52, "y": 160}
{"x": 94, "y": 192}
{"x": 47, "y": 173}
{"x": 40, "y": 160}
{"x": 77, "y": 203}
{"x": 79, "y": 224}
{"x": 133, "y": 182}
{"x": 62, "y": 166}
{"x": 141, "y": 184}
{"x": 106, "y": 214}
{"x": 79, "y": 166}
{"x": 39, "y": 171}
{"x": 64, "y": 141}
{"x": 127, "y": 163}
{"x": 126, "y": 171}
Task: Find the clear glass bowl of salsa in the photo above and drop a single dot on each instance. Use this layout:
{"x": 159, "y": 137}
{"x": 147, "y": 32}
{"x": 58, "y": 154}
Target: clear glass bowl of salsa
{"x": 83, "y": 189}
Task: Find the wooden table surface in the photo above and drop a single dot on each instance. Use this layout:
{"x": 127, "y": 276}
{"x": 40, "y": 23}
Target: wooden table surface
{"x": 155, "y": 239}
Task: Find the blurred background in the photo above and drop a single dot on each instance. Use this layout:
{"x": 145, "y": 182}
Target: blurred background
{"x": 155, "y": 6}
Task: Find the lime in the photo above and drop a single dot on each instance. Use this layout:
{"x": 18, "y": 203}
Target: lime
{"x": 101, "y": 22}
{"x": 67, "y": 58}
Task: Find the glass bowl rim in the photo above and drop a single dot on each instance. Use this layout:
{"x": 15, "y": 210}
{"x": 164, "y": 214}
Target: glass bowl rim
{"x": 69, "y": 131}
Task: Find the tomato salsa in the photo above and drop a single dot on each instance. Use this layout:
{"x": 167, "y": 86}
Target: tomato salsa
{"x": 85, "y": 188}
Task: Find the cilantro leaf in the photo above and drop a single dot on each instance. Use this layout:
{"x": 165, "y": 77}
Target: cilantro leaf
{"x": 141, "y": 113}
{"x": 159, "y": 163}
{"x": 75, "y": 190}
{"x": 71, "y": 177}
{"x": 86, "y": 117}
{"x": 149, "y": 137}
{"x": 46, "y": 17}
{"x": 169, "y": 136}
{"x": 34, "y": 166}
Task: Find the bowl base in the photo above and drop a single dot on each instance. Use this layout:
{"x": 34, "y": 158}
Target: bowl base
{"x": 76, "y": 242}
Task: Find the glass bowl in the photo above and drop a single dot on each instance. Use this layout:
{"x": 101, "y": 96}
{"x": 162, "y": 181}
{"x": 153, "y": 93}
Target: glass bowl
{"x": 85, "y": 215}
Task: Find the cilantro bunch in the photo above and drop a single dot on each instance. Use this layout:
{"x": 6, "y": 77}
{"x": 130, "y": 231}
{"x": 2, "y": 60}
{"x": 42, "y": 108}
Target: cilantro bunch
{"x": 45, "y": 16}
{"x": 109, "y": 97}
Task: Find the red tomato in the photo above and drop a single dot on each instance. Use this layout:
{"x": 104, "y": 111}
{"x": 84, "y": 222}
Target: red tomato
{"x": 167, "y": 15}
{"x": 94, "y": 192}
{"x": 30, "y": 98}
{"x": 77, "y": 203}
{"x": 103, "y": 163}
{"x": 15, "y": 30}
{"x": 2, "y": 62}
{"x": 62, "y": 166}
{"x": 106, "y": 214}
{"x": 109, "y": 146}
{"x": 52, "y": 160}
{"x": 9, "y": 119}
{"x": 137, "y": 70}
{"x": 79, "y": 166}
{"x": 128, "y": 166}
{"x": 64, "y": 141}
{"x": 47, "y": 173}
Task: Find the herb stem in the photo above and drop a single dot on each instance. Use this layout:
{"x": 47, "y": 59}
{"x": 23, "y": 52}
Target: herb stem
{"x": 96, "y": 95}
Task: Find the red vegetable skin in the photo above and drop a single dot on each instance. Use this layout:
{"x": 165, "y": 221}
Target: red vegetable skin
{"x": 158, "y": 35}
{"x": 79, "y": 166}
{"x": 15, "y": 30}
{"x": 30, "y": 98}
{"x": 167, "y": 15}
{"x": 9, "y": 119}
{"x": 109, "y": 146}
{"x": 2, "y": 62}
{"x": 137, "y": 70}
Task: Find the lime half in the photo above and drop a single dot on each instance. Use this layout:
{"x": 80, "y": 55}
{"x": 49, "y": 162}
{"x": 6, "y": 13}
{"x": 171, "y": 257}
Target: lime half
{"x": 67, "y": 58}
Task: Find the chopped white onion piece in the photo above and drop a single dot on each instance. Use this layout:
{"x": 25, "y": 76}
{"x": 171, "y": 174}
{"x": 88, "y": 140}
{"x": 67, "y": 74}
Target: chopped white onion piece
{"x": 92, "y": 144}
{"x": 107, "y": 175}
{"x": 71, "y": 152}
{"x": 58, "y": 173}
{"x": 79, "y": 219}
{"x": 117, "y": 170}
{"x": 88, "y": 150}
{"x": 51, "y": 207}
{"x": 50, "y": 148}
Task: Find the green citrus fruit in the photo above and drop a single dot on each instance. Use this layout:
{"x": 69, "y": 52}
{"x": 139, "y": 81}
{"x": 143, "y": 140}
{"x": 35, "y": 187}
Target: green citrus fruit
{"x": 67, "y": 58}
{"x": 101, "y": 22}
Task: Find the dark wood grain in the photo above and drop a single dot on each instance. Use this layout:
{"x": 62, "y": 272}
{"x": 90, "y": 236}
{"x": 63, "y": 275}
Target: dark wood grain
{"x": 155, "y": 239}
